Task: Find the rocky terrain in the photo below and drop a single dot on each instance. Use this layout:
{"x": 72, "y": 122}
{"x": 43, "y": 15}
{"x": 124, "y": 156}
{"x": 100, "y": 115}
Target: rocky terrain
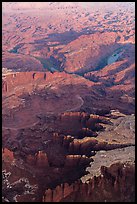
{"x": 68, "y": 102}
{"x": 44, "y": 129}
{"x": 54, "y": 40}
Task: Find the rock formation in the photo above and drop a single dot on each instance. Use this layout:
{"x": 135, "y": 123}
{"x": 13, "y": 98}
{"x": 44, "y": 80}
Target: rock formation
{"x": 68, "y": 102}
{"x": 109, "y": 186}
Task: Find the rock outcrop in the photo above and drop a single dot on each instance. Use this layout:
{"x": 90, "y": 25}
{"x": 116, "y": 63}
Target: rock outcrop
{"x": 109, "y": 186}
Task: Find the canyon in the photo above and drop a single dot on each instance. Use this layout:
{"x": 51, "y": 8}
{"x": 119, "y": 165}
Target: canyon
{"x": 68, "y": 102}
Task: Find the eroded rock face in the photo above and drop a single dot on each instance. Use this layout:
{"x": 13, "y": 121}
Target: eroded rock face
{"x": 50, "y": 145}
{"x": 64, "y": 159}
{"x": 32, "y": 94}
{"x": 115, "y": 184}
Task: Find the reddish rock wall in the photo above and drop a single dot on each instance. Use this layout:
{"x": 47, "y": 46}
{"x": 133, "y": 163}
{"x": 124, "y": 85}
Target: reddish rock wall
{"x": 115, "y": 184}
{"x": 22, "y": 78}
